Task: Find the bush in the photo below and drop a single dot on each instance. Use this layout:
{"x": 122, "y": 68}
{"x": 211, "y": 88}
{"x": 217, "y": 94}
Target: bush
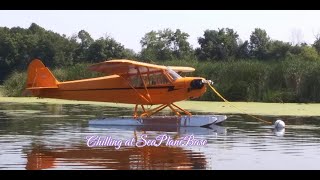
{"x": 75, "y": 72}
{"x": 294, "y": 80}
{"x": 15, "y": 84}
{"x": 309, "y": 54}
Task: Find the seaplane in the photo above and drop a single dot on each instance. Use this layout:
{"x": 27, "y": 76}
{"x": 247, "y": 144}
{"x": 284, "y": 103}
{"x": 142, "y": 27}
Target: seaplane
{"x": 130, "y": 82}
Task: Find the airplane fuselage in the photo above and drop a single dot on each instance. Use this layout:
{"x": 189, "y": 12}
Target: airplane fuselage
{"x": 115, "y": 88}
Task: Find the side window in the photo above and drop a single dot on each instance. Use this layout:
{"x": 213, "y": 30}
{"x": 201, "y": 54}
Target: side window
{"x": 135, "y": 81}
{"x": 153, "y": 79}
{"x": 157, "y": 79}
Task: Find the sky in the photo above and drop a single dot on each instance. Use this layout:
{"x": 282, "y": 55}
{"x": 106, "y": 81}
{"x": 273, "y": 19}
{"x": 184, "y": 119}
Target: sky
{"x": 129, "y": 26}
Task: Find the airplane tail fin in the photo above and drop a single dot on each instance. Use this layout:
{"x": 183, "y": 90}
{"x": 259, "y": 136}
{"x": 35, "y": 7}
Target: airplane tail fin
{"x": 40, "y": 77}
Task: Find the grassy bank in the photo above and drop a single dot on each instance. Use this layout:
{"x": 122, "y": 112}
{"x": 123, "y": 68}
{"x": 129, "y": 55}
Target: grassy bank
{"x": 276, "y": 109}
{"x": 286, "y": 81}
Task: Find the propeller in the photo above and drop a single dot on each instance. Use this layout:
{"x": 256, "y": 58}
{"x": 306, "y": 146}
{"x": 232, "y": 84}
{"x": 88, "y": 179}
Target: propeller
{"x": 204, "y": 81}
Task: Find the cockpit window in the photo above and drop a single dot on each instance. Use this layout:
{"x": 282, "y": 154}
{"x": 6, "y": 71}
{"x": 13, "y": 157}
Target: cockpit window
{"x": 153, "y": 79}
{"x": 158, "y": 79}
{"x": 173, "y": 74}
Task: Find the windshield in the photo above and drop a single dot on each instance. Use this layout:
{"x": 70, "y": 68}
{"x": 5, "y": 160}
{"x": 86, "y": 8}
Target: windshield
{"x": 173, "y": 74}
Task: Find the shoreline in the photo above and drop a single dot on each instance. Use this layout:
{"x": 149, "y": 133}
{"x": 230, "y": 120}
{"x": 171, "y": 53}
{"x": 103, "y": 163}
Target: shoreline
{"x": 253, "y": 108}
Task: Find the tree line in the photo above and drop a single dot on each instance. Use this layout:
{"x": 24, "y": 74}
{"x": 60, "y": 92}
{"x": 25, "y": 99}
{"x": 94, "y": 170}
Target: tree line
{"x": 223, "y": 45}
{"x": 20, "y": 45}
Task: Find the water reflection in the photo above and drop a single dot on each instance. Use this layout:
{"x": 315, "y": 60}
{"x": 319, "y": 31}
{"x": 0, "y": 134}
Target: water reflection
{"x": 162, "y": 157}
{"x": 80, "y": 156}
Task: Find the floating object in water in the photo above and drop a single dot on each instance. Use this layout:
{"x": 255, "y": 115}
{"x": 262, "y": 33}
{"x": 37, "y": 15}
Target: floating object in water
{"x": 173, "y": 121}
{"x": 279, "y": 132}
{"x": 279, "y": 124}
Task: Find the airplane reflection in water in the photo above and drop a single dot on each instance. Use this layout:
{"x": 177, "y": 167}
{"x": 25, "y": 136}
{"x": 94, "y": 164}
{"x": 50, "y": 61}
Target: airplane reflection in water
{"x": 147, "y": 157}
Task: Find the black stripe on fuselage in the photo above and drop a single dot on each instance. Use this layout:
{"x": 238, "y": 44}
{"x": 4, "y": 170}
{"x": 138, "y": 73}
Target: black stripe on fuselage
{"x": 170, "y": 88}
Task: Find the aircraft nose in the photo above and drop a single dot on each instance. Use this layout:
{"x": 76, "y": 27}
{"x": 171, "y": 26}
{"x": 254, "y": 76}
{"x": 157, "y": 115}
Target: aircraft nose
{"x": 197, "y": 84}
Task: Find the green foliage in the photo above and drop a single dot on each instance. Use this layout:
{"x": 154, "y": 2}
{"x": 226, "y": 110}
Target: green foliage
{"x": 243, "y": 51}
{"x": 81, "y": 52}
{"x": 244, "y": 80}
{"x": 278, "y": 49}
{"x": 165, "y": 45}
{"x": 75, "y": 72}
{"x": 15, "y": 84}
{"x": 279, "y": 96}
{"x": 316, "y": 44}
{"x": 239, "y": 69}
{"x": 309, "y": 53}
{"x": 105, "y": 48}
{"x": 259, "y": 41}
{"x": 130, "y": 54}
{"x": 252, "y": 80}
{"x": 217, "y": 45}
{"x": 18, "y": 46}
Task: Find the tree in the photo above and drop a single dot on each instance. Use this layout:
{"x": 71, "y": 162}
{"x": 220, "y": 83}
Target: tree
{"x": 278, "y": 49}
{"x": 218, "y": 45}
{"x": 18, "y": 46}
{"x": 85, "y": 38}
{"x": 316, "y": 43}
{"x": 129, "y": 54}
{"x": 165, "y": 45}
{"x": 309, "y": 53}
{"x": 81, "y": 52}
{"x": 181, "y": 46}
{"x": 259, "y": 41}
{"x": 154, "y": 46}
{"x": 105, "y": 48}
{"x": 243, "y": 50}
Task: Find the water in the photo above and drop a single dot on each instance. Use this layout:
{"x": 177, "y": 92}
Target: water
{"x": 52, "y": 136}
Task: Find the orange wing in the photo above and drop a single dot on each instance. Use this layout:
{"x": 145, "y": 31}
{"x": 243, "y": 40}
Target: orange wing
{"x": 180, "y": 69}
{"x": 124, "y": 66}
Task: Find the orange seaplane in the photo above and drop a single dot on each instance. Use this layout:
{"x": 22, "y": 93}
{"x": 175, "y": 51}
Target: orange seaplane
{"x": 126, "y": 81}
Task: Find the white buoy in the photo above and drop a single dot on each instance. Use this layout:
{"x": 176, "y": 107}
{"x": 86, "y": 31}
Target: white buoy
{"x": 279, "y": 132}
{"x": 279, "y": 124}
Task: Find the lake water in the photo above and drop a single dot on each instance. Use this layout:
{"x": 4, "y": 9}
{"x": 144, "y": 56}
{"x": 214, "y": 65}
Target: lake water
{"x": 53, "y": 136}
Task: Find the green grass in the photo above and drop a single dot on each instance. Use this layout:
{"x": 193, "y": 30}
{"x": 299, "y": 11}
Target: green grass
{"x": 274, "y": 109}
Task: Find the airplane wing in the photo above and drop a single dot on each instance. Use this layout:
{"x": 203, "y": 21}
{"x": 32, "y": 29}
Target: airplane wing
{"x": 124, "y": 66}
{"x": 180, "y": 69}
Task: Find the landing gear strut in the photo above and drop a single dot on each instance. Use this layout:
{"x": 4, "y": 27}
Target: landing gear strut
{"x": 150, "y": 112}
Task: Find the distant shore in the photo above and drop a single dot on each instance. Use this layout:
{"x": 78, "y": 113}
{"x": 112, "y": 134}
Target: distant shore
{"x": 254, "y": 108}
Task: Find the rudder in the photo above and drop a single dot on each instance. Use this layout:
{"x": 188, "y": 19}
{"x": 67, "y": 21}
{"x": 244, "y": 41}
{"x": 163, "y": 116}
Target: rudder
{"x": 40, "y": 77}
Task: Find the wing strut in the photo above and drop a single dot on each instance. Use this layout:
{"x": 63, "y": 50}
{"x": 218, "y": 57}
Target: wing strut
{"x": 140, "y": 95}
{"x": 144, "y": 84}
